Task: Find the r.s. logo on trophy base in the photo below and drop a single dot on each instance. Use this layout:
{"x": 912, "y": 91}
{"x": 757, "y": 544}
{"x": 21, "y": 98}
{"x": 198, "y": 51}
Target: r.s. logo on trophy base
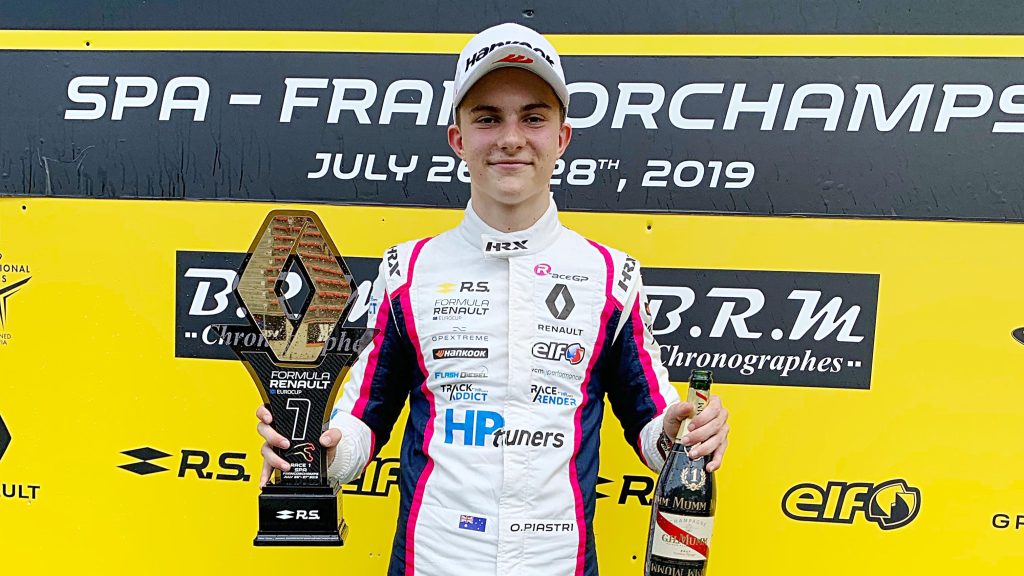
{"x": 296, "y": 291}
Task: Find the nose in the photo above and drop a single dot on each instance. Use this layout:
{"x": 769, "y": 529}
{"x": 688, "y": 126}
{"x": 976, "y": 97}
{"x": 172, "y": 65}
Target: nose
{"x": 511, "y": 138}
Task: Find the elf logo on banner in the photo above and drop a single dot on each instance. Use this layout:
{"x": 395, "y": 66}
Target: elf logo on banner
{"x": 377, "y": 480}
{"x": 891, "y": 504}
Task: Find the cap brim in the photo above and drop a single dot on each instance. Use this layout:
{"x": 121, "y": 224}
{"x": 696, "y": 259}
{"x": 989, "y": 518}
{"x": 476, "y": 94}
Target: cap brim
{"x": 539, "y": 66}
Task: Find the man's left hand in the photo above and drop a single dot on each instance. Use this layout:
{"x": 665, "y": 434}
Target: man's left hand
{"x": 708, "y": 432}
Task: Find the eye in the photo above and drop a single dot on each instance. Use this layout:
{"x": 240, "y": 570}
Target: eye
{"x": 486, "y": 120}
{"x": 534, "y": 119}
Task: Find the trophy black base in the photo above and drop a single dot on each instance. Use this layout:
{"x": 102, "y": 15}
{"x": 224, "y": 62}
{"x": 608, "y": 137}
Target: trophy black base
{"x": 300, "y": 516}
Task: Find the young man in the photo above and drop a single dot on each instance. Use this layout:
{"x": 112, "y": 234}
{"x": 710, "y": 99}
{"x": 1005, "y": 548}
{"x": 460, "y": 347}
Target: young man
{"x": 505, "y": 334}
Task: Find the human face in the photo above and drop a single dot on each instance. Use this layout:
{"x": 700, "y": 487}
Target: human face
{"x": 510, "y": 133}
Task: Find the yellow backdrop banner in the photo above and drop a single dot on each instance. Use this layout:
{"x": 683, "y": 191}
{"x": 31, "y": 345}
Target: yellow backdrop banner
{"x": 123, "y": 458}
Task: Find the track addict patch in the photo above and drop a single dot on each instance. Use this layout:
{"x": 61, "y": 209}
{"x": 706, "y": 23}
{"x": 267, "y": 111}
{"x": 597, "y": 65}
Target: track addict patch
{"x": 463, "y": 391}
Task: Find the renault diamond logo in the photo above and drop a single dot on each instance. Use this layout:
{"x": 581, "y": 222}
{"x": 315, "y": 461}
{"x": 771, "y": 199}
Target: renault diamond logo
{"x": 5, "y": 437}
{"x": 560, "y": 302}
{"x": 285, "y": 515}
{"x": 294, "y": 299}
{"x": 144, "y": 455}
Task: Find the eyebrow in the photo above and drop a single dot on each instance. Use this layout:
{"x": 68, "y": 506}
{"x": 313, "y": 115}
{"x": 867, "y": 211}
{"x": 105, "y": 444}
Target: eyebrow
{"x": 494, "y": 109}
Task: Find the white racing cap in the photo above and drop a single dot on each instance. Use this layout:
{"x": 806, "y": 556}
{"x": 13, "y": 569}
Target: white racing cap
{"x": 508, "y": 45}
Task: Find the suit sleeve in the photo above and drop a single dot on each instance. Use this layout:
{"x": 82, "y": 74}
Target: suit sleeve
{"x": 638, "y": 384}
{"x": 376, "y": 391}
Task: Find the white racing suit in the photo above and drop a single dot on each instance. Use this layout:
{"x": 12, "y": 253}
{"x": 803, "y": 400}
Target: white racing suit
{"x": 506, "y": 346}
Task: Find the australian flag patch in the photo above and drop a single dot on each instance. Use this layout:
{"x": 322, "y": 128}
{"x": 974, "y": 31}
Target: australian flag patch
{"x": 472, "y": 523}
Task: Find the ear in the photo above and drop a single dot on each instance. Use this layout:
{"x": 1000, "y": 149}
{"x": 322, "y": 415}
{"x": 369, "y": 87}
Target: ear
{"x": 455, "y": 140}
{"x": 564, "y": 136}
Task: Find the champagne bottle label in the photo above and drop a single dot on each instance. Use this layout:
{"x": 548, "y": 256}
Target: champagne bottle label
{"x": 682, "y": 537}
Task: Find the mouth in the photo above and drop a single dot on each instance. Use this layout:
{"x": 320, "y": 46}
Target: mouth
{"x": 509, "y": 164}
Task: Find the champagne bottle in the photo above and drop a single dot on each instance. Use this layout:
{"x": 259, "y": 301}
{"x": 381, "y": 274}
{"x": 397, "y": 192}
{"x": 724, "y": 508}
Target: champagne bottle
{"x": 683, "y": 507}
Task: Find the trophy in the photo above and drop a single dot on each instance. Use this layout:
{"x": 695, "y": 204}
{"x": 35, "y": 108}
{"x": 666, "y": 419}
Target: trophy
{"x": 295, "y": 291}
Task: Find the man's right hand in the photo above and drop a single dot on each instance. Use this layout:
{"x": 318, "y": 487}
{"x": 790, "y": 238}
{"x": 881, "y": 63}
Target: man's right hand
{"x": 271, "y": 460}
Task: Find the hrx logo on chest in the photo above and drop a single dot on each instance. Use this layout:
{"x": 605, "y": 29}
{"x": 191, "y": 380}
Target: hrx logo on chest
{"x": 505, "y": 246}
